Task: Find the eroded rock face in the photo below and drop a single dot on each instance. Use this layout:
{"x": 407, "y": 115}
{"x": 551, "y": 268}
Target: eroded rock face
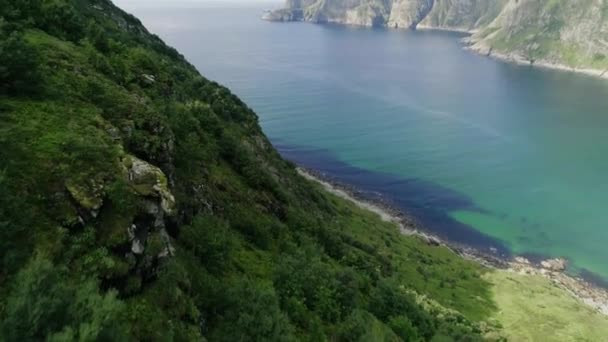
{"x": 464, "y": 14}
{"x": 148, "y": 180}
{"x": 155, "y": 203}
{"x": 151, "y": 183}
{"x": 408, "y": 13}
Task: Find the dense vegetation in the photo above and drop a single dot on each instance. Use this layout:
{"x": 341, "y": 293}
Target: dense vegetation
{"x": 139, "y": 200}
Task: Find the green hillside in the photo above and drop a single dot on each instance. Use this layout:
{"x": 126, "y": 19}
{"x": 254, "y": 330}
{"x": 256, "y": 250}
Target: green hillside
{"x": 569, "y": 33}
{"x": 141, "y": 201}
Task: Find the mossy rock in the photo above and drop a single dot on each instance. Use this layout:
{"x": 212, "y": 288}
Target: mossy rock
{"x": 89, "y": 196}
{"x": 148, "y": 180}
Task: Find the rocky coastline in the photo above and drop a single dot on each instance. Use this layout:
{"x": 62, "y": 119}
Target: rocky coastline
{"x": 490, "y": 24}
{"x": 520, "y": 60}
{"x": 554, "y": 269}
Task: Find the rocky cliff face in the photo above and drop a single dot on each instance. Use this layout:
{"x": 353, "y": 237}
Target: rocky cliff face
{"x": 559, "y": 33}
{"x": 351, "y": 12}
{"x": 408, "y": 13}
{"x": 461, "y": 14}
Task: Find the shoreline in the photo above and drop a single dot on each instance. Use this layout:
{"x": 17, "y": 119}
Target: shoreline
{"x": 519, "y": 60}
{"x": 444, "y": 29}
{"x": 514, "y": 58}
{"x": 474, "y": 47}
{"x": 587, "y": 293}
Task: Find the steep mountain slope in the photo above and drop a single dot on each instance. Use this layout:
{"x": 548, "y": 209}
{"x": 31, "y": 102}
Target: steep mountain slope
{"x": 141, "y": 201}
{"x": 559, "y": 33}
{"x": 463, "y": 15}
{"x": 571, "y": 33}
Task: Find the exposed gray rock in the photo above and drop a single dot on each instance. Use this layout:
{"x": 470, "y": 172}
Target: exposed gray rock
{"x": 137, "y": 247}
{"x": 158, "y": 202}
{"x": 462, "y": 14}
{"x": 148, "y": 180}
{"x": 556, "y": 265}
{"x": 408, "y": 13}
{"x": 431, "y": 240}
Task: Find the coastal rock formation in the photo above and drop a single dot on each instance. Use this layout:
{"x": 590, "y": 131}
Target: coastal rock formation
{"x": 570, "y": 35}
{"x": 462, "y": 15}
{"x": 449, "y": 14}
{"x": 358, "y": 12}
{"x": 408, "y": 13}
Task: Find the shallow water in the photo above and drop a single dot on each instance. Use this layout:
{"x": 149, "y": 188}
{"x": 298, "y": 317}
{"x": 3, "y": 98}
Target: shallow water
{"x": 483, "y": 152}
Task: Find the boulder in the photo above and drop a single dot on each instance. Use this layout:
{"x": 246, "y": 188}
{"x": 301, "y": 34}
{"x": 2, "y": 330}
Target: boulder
{"x": 556, "y": 265}
{"x": 148, "y": 180}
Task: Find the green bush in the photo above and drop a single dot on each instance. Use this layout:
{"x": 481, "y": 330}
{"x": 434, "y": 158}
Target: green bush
{"x": 44, "y": 306}
{"x": 210, "y": 239}
{"x": 252, "y": 314}
{"x": 19, "y": 63}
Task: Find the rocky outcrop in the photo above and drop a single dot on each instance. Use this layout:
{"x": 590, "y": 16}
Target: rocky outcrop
{"x": 408, "y": 13}
{"x": 556, "y": 265}
{"x": 156, "y": 203}
{"x": 351, "y": 12}
{"x": 462, "y": 15}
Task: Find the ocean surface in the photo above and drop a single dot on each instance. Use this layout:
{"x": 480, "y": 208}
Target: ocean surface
{"x": 502, "y": 157}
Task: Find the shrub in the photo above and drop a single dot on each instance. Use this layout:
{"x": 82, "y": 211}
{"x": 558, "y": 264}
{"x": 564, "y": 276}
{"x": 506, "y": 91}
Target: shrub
{"x": 18, "y": 65}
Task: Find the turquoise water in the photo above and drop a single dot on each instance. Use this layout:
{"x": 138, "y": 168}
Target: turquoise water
{"x": 514, "y": 153}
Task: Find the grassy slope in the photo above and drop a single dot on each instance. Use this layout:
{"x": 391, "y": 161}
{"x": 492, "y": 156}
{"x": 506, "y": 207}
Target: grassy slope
{"x": 533, "y": 309}
{"x": 258, "y": 253}
{"x": 464, "y": 15}
{"x": 556, "y": 31}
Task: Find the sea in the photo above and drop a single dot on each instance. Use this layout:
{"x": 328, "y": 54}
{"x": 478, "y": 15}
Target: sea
{"x": 505, "y": 158}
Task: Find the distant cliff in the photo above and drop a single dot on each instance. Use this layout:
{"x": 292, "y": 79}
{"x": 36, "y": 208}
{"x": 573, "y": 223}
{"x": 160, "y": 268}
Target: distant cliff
{"x": 564, "y": 34}
{"x": 450, "y": 14}
{"x": 557, "y": 33}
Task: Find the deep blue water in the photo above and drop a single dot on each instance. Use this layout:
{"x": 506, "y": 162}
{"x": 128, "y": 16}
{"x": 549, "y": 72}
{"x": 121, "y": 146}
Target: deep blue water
{"x": 480, "y": 151}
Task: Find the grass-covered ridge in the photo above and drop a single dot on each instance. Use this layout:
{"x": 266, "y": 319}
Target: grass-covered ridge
{"x": 141, "y": 201}
{"x": 562, "y": 32}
